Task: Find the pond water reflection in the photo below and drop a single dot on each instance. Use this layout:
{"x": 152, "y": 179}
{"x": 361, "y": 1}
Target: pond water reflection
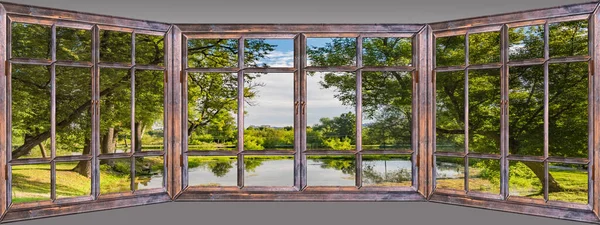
{"x": 322, "y": 171}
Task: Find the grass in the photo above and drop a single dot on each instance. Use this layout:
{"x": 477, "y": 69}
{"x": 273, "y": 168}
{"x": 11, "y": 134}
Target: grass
{"x": 32, "y": 182}
{"x": 523, "y": 182}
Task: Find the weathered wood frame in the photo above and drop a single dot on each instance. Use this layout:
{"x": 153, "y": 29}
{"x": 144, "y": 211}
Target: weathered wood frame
{"x": 175, "y": 68}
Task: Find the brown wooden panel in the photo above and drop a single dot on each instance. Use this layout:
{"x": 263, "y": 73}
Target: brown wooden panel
{"x": 21, "y": 9}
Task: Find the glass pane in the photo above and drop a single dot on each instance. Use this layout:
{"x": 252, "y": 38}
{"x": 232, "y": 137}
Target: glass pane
{"x": 331, "y": 121}
{"x": 269, "y": 52}
{"x": 387, "y": 51}
{"x": 526, "y": 108}
{"x": 387, "y": 170}
{"x": 331, "y": 170}
{"x": 568, "y": 110}
{"x": 484, "y": 175}
{"x": 450, "y": 111}
{"x": 269, "y": 112}
{"x": 149, "y": 173}
{"x": 450, "y": 51}
{"x": 212, "y": 171}
{"x": 526, "y": 42}
{"x": 73, "y": 179}
{"x": 450, "y": 173}
{"x": 73, "y": 96}
{"x": 31, "y": 41}
{"x": 115, "y": 111}
{"x": 526, "y": 179}
{"x": 149, "y": 49}
{"x": 149, "y": 111}
{"x": 387, "y": 110}
{"x": 30, "y": 111}
{"x": 215, "y": 53}
{"x": 73, "y": 44}
{"x": 484, "y": 111}
{"x": 115, "y": 46}
{"x": 484, "y": 48}
{"x": 30, "y": 183}
{"x": 115, "y": 175}
{"x": 331, "y": 51}
{"x": 568, "y": 183}
{"x": 212, "y": 111}
{"x": 568, "y": 38}
{"x": 269, "y": 171}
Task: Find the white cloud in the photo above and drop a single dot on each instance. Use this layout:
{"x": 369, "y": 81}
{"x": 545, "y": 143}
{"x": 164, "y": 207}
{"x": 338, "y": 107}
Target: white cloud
{"x": 274, "y": 104}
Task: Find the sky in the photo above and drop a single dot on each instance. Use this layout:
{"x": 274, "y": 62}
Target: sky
{"x": 274, "y": 104}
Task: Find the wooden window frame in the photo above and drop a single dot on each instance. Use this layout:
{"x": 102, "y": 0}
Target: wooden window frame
{"x": 175, "y": 68}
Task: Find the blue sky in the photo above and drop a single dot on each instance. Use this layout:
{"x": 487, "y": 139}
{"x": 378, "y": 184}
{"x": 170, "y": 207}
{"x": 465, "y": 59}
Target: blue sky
{"x": 274, "y": 104}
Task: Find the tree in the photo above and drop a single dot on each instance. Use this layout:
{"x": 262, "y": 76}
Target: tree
{"x": 212, "y": 97}
{"x": 568, "y": 91}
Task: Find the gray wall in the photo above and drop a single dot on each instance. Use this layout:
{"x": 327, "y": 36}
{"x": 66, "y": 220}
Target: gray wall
{"x": 298, "y": 11}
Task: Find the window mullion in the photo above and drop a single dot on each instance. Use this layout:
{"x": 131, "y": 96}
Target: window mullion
{"x": 53, "y": 115}
{"x": 95, "y": 112}
{"x": 240, "y": 113}
{"x": 302, "y": 72}
{"x": 359, "y": 64}
{"x": 132, "y": 106}
{"x": 504, "y": 112}
{"x": 466, "y": 122}
{"x": 546, "y": 108}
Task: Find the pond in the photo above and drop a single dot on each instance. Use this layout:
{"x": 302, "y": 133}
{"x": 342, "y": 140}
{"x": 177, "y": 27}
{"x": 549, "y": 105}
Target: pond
{"x": 321, "y": 171}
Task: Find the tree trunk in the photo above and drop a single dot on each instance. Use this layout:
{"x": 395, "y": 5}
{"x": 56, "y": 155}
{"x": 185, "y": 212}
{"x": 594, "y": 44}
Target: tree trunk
{"x": 42, "y": 150}
{"x": 84, "y": 167}
{"x": 139, "y": 132}
{"x": 40, "y": 137}
{"x": 538, "y": 170}
{"x": 107, "y": 145}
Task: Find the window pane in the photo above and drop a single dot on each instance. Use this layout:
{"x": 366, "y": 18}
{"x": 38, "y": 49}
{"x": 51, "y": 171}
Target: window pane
{"x": 450, "y": 111}
{"x": 526, "y": 108}
{"x": 450, "y": 51}
{"x": 73, "y": 44}
{"x": 115, "y": 46}
{"x": 387, "y": 110}
{"x": 526, "y": 42}
{"x": 30, "y": 183}
{"x": 387, "y": 170}
{"x": 115, "y": 111}
{"x": 387, "y": 51}
{"x": 115, "y": 176}
{"x": 568, "y": 113}
{"x": 571, "y": 183}
{"x": 31, "y": 41}
{"x": 212, "y": 111}
{"x": 331, "y": 118}
{"x": 450, "y": 173}
{"x": 484, "y": 110}
{"x": 149, "y": 172}
{"x": 215, "y": 53}
{"x": 149, "y": 111}
{"x": 484, "y": 175}
{"x": 212, "y": 171}
{"x": 73, "y": 97}
{"x": 269, "y": 112}
{"x": 30, "y": 111}
{"x": 484, "y": 48}
{"x": 568, "y": 38}
{"x": 73, "y": 179}
{"x": 331, "y": 51}
{"x": 269, "y": 52}
{"x": 269, "y": 171}
{"x": 526, "y": 179}
{"x": 331, "y": 170}
{"x": 149, "y": 49}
